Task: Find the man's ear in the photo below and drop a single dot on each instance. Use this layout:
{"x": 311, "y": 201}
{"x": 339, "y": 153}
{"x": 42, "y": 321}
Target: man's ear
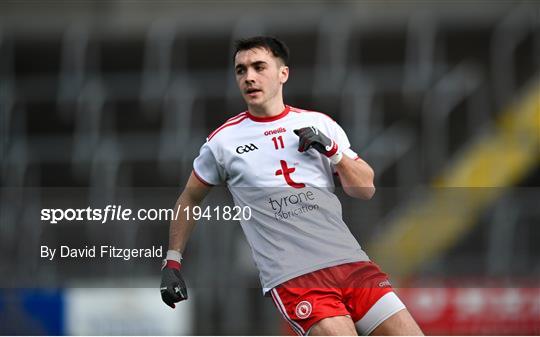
{"x": 283, "y": 74}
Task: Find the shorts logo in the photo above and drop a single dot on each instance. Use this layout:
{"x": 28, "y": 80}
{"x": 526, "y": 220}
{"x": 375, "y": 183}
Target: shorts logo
{"x": 303, "y": 309}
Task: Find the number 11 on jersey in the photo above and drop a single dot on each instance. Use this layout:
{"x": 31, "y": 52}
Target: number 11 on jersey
{"x": 280, "y": 145}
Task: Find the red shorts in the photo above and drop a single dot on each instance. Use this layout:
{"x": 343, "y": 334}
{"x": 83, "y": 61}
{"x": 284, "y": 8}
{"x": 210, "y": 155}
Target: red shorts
{"x": 355, "y": 289}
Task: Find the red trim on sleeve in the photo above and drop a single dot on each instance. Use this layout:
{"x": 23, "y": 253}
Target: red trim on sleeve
{"x": 271, "y": 118}
{"x": 297, "y": 110}
{"x": 201, "y": 179}
{"x": 231, "y": 122}
{"x": 235, "y": 117}
{"x": 357, "y": 158}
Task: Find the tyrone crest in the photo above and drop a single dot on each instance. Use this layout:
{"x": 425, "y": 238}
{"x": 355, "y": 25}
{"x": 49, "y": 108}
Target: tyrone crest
{"x": 303, "y": 309}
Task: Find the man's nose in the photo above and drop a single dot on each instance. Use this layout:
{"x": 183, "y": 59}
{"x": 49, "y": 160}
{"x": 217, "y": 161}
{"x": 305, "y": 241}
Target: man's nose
{"x": 250, "y": 76}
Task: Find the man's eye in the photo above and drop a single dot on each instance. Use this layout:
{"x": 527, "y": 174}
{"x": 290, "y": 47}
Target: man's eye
{"x": 259, "y": 68}
{"x": 239, "y": 71}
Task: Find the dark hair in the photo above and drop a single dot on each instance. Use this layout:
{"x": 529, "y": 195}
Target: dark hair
{"x": 277, "y": 47}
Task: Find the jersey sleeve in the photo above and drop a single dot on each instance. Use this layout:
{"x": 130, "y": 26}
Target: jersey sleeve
{"x": 207, "y": 168}
{"x": 340, "y": 137}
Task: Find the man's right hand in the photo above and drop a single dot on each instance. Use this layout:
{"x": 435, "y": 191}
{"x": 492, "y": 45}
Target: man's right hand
{"x": 173, "y": 288}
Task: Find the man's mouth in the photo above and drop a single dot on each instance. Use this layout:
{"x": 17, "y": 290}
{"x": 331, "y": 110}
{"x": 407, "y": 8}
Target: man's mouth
{"x": 252, "y": 91}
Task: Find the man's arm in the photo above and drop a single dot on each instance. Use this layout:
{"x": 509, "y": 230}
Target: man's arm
{"x": 173, "y": 288}
{"x": 356, "y": 177}
{"x": 180, "y": 229}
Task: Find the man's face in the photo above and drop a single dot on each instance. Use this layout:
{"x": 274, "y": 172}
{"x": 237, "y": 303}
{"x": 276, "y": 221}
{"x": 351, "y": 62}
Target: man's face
{"x": 259, "y": 75}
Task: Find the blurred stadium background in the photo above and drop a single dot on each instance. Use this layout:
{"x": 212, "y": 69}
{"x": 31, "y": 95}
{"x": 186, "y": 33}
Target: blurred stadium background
{"x": 111, "y": 97}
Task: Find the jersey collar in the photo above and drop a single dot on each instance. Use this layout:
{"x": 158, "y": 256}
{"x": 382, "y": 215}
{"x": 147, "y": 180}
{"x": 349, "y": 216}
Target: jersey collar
{"x": 269, "y": 119}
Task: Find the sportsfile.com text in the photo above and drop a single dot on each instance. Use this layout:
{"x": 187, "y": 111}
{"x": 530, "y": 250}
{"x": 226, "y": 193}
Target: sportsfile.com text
{"x": 120, "y": 213}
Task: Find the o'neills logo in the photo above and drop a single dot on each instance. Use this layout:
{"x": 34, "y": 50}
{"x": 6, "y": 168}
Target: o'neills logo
{"x": 275, "y": 131}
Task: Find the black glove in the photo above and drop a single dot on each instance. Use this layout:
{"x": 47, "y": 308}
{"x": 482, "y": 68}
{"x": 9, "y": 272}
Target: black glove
{"x": 173, "y": 288}
{"x": 311, "y": 136}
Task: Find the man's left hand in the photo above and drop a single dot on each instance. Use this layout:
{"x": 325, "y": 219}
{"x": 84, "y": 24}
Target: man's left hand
{"x": 313, "y": 137}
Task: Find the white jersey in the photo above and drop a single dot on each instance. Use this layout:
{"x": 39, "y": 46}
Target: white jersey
{"x": 296, "y": 225}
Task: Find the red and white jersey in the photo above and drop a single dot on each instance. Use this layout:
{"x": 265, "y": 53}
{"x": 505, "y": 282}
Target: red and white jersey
{"x": 296, "y": 225}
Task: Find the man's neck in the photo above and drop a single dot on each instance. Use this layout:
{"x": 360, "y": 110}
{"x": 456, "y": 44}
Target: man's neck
{"x": 268, "y": 110}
